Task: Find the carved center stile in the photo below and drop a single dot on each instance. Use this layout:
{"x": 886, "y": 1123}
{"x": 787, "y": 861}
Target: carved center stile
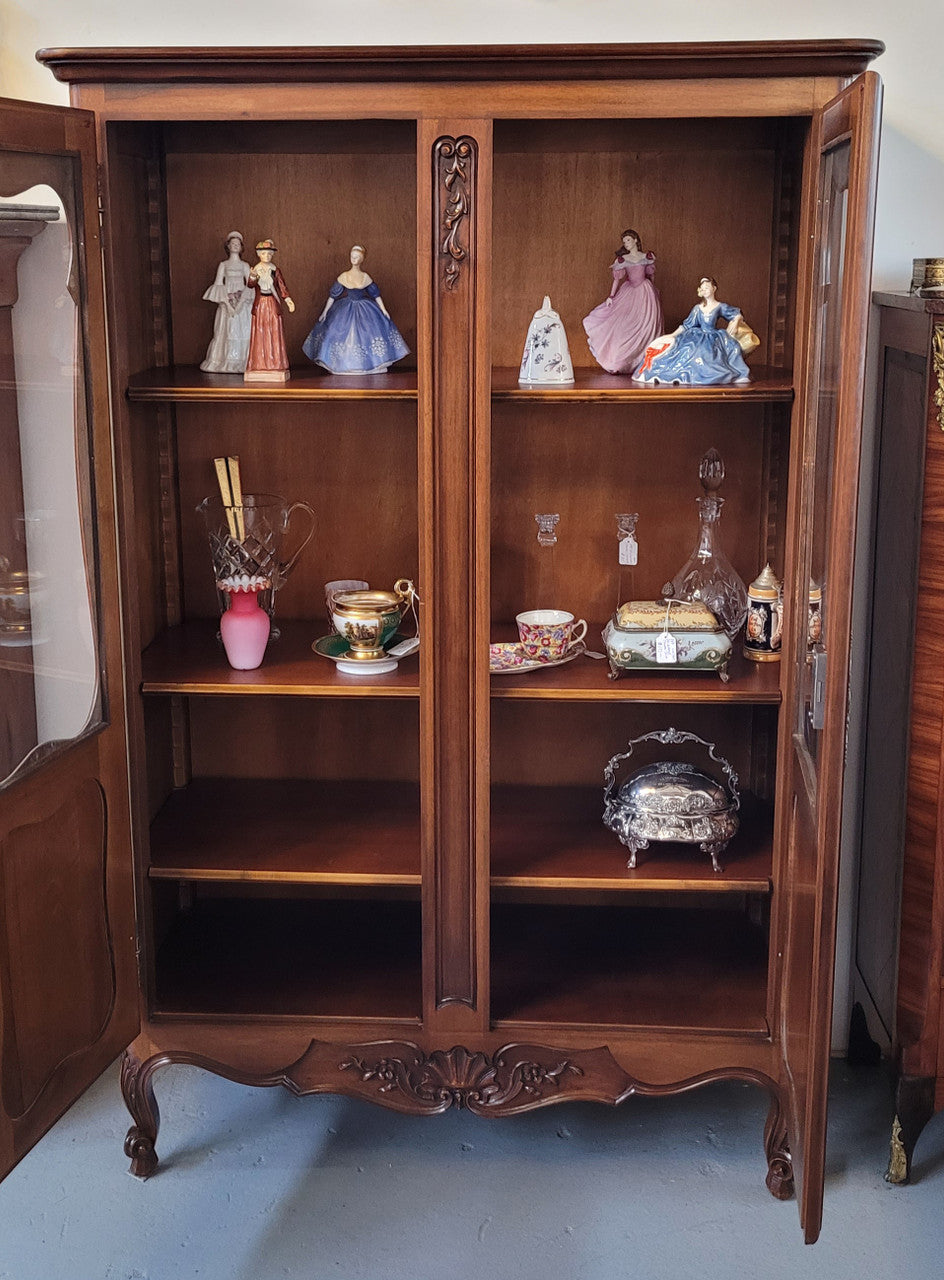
{"x": 455, "y": 158}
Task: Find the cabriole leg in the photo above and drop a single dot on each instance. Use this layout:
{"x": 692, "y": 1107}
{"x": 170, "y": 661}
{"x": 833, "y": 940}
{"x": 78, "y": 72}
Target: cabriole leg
{"x": 138, "y": 1094}
{"x": 779, "y": 1161}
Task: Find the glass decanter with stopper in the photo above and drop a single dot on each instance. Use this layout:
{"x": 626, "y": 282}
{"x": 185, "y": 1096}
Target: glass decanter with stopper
{"x": 708, "y": 575}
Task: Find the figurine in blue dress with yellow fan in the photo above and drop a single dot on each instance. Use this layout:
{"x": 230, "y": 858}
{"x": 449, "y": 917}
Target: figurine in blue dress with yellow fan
{"x": 354, "y": 333}
{"x": 698, "y": 353}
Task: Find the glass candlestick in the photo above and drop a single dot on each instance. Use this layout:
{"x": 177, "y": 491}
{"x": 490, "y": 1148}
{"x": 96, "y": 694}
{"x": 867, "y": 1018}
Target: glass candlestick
{"x": 546, "y": 585}
{"x": 628, "y": 556}
{"x": 547, "y": 529}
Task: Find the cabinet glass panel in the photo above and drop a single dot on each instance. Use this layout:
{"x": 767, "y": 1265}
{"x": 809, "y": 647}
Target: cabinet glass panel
{"x": 50, "y": 690}
{"x": 834, "y": 193}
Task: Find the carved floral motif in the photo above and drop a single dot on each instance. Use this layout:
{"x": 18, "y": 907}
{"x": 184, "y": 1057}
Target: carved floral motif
{"x": 458, "y": 1078}
{"x": 455, "y": 161}
{"x": 937, "y": 360}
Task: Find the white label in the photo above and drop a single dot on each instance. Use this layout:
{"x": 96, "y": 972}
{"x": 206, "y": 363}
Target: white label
{"x": 666, "y": 647}
{"x": 628, "y": 550}
{"x": 405, "y": 647}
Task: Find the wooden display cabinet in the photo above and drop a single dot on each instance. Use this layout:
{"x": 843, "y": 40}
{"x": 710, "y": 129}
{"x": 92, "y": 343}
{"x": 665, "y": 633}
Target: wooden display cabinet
{"x": 900, "y": 953}
{"x": 399, "y": 887}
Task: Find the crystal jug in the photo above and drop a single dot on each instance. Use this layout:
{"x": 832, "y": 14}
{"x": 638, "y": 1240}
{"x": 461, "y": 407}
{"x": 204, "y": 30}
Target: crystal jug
{"x": 246, "y": 544}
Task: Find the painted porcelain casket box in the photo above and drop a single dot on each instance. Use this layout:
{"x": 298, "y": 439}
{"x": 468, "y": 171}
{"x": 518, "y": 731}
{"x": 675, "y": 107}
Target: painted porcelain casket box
{"x": 699, "y": 643}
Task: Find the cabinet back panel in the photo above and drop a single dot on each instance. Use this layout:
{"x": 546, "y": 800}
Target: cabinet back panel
{"x": 315, "y": 190}
{"x": 138, "y": 254}
{"x": 357, "y": 470}
{"x": 588, "y": 463}
{"x": 547, "y": 743}
{"x": 705, "y": 197}
{"x": 305, "y": 738}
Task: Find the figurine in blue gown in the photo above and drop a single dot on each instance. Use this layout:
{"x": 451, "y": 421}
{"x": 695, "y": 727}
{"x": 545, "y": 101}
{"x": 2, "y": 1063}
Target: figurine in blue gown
{"x": 354, "y": 333}
{"x": 697, "y": 354}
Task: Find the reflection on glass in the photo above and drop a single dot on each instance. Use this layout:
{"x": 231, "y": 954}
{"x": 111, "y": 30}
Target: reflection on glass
{"x": 834, "y": 194}
{"x": 49, "y": 668}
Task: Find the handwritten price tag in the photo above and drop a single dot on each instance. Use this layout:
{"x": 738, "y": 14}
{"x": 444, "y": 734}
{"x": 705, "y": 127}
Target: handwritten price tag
{"x": 628, "y": 550}
{"x": 666, "y": 647}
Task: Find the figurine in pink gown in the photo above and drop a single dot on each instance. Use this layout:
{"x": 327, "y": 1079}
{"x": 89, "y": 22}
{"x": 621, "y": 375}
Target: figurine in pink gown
{"x": 621, "y": 328}
{"x": 268, "y": 359}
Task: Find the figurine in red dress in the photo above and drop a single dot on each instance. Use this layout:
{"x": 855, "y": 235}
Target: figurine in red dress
{"x": 268, "y": 358}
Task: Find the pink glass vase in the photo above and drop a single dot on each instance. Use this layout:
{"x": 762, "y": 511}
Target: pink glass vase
{"x": 244, "y": 628}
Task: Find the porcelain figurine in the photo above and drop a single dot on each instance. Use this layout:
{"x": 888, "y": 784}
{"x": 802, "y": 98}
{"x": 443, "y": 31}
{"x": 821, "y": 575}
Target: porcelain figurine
{"x": 268, "y": 358}
{"x": 229, "y": 346}
{"x": 621, "y": 328}
{"x": 546, "y": 357}
{"x": 697, "y": 353}
{"x": 354, "y": 333}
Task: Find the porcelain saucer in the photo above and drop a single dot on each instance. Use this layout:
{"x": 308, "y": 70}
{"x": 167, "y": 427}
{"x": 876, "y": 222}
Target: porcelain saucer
{"x": 338, "y": 650}
{"x": 509, "y": 659}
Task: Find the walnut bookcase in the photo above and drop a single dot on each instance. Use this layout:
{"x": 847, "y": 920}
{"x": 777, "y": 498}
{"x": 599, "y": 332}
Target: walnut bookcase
{"x": 400, "y": 888}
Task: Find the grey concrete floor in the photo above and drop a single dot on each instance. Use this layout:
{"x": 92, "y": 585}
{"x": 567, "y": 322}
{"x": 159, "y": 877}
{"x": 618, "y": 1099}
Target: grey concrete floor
{"x": 258, "y": 1185}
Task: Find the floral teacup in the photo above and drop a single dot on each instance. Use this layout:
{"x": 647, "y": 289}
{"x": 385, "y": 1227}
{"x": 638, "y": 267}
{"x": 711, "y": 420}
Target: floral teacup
{"x": 547, "y": 635}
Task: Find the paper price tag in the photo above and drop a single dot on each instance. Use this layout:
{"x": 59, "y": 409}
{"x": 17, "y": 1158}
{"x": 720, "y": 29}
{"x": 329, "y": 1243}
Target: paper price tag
{"x": 666, "y": 647}
{"x": 405, "y": 647}
{"x": 628, "y": 550}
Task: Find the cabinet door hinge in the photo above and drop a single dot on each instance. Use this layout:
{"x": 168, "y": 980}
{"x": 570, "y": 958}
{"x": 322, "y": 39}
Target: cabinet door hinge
{"x": 818, "y": 707}
{"x": 100, "y": 189}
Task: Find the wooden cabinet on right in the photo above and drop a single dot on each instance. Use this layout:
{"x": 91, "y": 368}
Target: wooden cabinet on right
{"x": 900, "y": 954}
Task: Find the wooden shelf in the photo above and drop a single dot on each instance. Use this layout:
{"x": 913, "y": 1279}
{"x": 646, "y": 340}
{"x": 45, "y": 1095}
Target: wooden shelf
{"x": 187, "y": 382}
{"x": 593, "y": 384}
{"x": 553, "y": 838}
{"x": 701, "y": 970}
{"x": 289, "y": 831}
{"x": 587, "y": 679}
{"x": 189, "y": 659}
{"x": 312, "y": 959}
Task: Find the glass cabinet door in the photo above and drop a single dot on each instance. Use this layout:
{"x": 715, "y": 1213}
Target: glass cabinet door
{"x": 50, "y": 687}
{"x": 842, "y": 157}
{"x": 68, "y": 975}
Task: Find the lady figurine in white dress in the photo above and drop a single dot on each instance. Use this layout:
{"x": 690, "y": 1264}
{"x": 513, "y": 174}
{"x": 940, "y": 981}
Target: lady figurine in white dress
{"x": 229, "y": 346}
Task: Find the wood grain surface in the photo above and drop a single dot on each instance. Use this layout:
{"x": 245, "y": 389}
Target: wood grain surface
{"x": 711, "y": 152}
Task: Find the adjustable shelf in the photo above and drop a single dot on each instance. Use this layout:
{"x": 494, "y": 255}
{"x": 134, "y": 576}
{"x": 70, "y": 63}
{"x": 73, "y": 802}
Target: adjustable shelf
{"x": 766, "y": 385}
{"x": 587, "y": 680}
{"x": 289, "y": 831}
{"x": 292, "y": 958}
{"x": 553, "y": 838}
{"x": 703, "y": 970}
{"x": 179, "y": 383}
{"x": 189, "y": 659}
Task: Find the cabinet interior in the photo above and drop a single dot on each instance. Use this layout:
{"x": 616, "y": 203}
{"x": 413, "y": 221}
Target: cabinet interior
{"x": 283, "y": 867}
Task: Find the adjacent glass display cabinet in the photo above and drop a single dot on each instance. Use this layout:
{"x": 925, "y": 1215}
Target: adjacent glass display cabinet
{"x": 399, "y": 886}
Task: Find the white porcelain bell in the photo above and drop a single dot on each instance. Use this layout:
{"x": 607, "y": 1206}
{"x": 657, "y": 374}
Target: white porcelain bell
{"x": 546, "y": 357}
